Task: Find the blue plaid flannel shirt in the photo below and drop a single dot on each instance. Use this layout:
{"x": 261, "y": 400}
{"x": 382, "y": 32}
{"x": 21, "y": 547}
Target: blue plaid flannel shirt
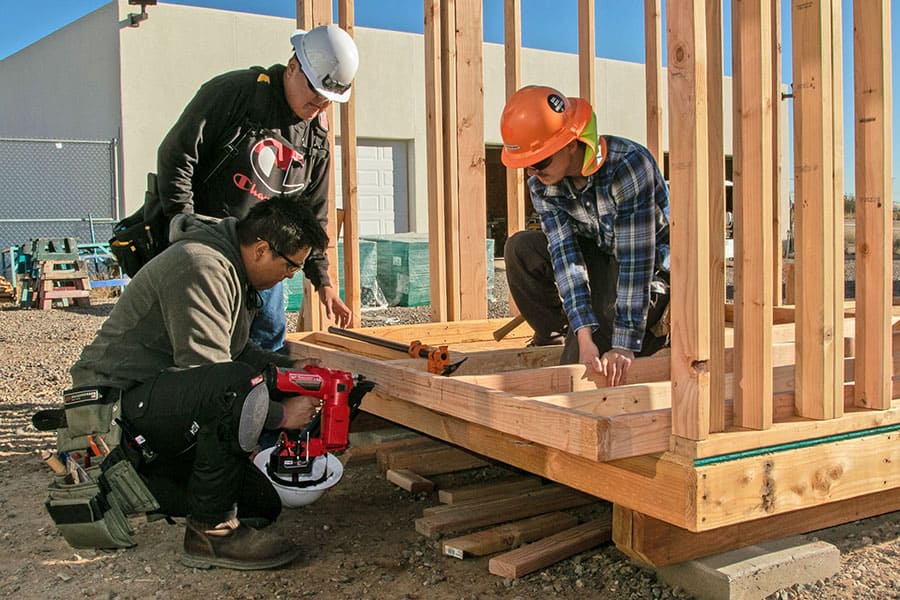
{"x": 625, "y": 208}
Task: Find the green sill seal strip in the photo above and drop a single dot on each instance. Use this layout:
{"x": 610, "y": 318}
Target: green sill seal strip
{"x": 712, "y": 460}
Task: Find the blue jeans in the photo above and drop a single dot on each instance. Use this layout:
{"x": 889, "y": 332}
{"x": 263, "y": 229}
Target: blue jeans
{"x": 270, "y": 325}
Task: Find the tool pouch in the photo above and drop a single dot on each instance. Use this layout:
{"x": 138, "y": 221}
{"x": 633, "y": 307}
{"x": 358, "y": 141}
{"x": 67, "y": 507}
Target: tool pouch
{"x": 142, "y": 235}
{"x": 123, "y": 486}
{"x": 84, "y": 516}
{"x": 90, "y": 412}
{"x": 89, "y": 506}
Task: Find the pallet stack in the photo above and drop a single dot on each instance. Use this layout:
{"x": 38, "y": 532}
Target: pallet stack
{"x": 57, "y": 274}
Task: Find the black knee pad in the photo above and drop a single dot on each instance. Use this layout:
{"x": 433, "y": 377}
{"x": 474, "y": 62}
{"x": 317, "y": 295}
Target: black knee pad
{"x": 243, "y": 406}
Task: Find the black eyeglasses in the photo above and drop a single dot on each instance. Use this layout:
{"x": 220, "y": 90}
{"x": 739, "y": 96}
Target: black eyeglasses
{"x": 541, "y": 165}
{"x": 294, "y": 266}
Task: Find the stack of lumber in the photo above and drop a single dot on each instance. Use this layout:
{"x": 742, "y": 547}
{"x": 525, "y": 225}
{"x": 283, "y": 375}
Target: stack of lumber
{"x": 518, "y": 516}
{"x": 7, "y": 293}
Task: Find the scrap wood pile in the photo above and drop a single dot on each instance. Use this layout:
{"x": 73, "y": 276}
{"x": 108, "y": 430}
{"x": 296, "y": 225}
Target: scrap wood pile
{"x": 7, "y": 293}
{"x": 518, "y": 519}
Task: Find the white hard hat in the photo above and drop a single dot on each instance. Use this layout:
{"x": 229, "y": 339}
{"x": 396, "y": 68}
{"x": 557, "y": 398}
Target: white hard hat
{"x": 329, "y": 58}
{"x": 325, "y": 471}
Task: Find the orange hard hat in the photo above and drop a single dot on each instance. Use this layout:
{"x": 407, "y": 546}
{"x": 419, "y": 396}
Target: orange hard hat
{"x": 537, "y": 122}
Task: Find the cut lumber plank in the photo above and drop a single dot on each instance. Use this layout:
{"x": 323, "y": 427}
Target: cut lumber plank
{"x": 429, "y": 461}
{"x": 550, "y": 550}
{"x": 365, "y": 454}
{"x": 390, "y": 456}
{"x": 488, "y": 489}
{"x": 475, "y": 502}
{"x": 657, "y": 543}
{"x": 508, "y": 535}
{"x": 409, "y": 481}
{"x": 491, "y": 512}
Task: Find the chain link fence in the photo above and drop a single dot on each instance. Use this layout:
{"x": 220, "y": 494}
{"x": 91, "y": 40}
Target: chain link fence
{"x": 57, "y": 189}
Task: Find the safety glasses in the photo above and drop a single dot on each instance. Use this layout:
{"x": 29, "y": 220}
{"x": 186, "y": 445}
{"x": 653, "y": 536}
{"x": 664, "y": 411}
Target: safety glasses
{"x": 294, "y": 267}
{"x": 541, "y": 165}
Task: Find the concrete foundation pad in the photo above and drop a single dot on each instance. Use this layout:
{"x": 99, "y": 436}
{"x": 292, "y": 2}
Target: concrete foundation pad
{"x": 754, "y": 572}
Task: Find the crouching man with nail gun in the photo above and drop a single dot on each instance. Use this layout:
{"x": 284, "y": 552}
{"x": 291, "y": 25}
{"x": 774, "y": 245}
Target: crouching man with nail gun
{"x": 194, "y": 396}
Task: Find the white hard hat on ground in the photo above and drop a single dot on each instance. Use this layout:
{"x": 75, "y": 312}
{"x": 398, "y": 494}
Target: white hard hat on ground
{"x": 329, "y": 58}
{"x": 325, "y": 472}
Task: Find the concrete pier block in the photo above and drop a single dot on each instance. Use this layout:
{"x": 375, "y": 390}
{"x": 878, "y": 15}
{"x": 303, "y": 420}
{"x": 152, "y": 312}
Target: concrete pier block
{"x": 754, "y": 572}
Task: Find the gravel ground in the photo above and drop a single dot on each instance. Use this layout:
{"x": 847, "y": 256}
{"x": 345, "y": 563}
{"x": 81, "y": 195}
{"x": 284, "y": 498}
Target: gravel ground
{"x": 359, "y": 540}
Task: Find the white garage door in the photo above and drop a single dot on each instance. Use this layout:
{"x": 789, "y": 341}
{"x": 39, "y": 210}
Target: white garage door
{"x": 381, "y": 173}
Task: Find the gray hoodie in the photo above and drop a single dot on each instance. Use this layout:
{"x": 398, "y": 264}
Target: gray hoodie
{"x": 185, "y": 308}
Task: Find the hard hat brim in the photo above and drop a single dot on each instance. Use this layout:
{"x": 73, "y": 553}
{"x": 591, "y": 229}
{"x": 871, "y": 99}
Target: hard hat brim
{"x": 519, "y": 159}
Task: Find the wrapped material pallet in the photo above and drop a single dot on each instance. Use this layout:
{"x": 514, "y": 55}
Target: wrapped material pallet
{"x": 403, "y": 263}
{"x": 370, "y": 293}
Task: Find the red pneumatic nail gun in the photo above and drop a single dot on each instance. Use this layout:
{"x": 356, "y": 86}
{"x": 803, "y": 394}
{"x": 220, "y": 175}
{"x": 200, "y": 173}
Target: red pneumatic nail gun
{"x": 292, "y": 461}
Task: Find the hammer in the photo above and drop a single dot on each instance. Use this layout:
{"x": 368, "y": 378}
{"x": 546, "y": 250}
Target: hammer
{"x": 503, "y": 331}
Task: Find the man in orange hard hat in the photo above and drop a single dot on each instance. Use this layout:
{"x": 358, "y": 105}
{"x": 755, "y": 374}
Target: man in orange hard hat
{"x": 599, "y": 266}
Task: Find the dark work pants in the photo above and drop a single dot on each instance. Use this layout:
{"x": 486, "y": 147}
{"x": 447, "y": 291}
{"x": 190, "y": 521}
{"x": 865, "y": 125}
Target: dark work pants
{"x": 206, "y": 474}
{"x": 533, "y": 288}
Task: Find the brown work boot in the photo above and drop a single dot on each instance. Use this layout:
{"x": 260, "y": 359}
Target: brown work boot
{"x": 233, "y": 545}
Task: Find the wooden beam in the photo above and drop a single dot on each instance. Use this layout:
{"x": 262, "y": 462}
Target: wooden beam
{"x": 745, "y": 489}
{"x": 715, "y": 83}
{"x": 652, "y": 484}
{"x": 789, "y": 430}
{"x": 450, "y": 119}
{"x": 817, "y": 315}
{"x": 310, "y": 14}
{"x": 550, "y": 550}
{"x": 500, "y": 510}
{"x": 753, "y": 277}
{"x": 777, "y": 153}
{"x": 561, "y": 428}
{"x": 837, "y": 185}
{"x": 430, "y": 461}
{"x": 653, "y": 74}
{"x": 689, "y": 182}
{"x": 304, "y": 12}
{"x": 657, "y": 543}
{"x": 434, "y": 140}
{"x": 349, "y": 191}
{"x": 409, "y": 481}
{"x": 508, "y": 535}
{"x": 512, "y": 45}
{"x": 587, "y": 50}
{"x": 489, "y": 489}
{"x": 472, "y": 219}
{"x": 874, "y": 205}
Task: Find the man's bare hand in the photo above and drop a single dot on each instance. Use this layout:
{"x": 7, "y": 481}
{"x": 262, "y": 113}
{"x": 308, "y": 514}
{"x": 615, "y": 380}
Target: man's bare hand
{"x": 303, "y": 362}
{"x": 335, "y": 309}
{"x": 298, "y": 411}
{"x": 615, "y": 364}
{"x": 588, "y": 353}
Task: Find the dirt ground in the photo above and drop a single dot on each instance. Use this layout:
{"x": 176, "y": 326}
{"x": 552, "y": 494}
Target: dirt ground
{"x": 359, "y": 541}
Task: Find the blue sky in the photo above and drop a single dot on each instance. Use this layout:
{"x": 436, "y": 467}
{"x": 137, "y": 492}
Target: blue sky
{"x": 620, "y": 33}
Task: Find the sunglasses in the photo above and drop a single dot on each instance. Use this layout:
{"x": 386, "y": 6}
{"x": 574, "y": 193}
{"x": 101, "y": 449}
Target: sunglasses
{"x": 541, "y": 165}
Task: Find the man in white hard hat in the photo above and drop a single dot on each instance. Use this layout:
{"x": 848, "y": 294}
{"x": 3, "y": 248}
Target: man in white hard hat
{"x": 251, "y": 135}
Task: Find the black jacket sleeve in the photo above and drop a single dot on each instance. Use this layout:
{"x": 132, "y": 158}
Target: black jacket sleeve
{"x": 191, "y": 147}
{"x": 316, "y": 195}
